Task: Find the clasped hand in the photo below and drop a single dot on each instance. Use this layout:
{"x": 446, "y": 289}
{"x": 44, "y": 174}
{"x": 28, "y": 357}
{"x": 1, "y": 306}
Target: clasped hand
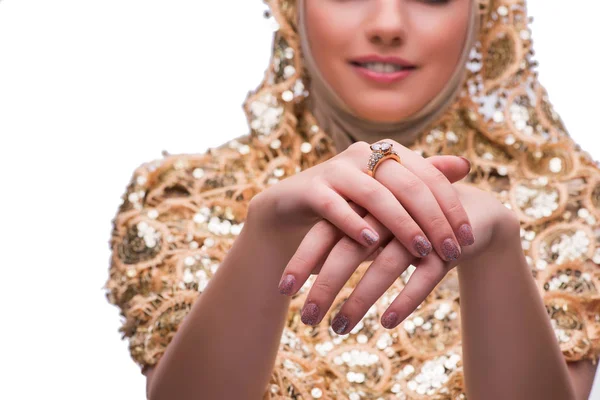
{"x": 411, "y": 213}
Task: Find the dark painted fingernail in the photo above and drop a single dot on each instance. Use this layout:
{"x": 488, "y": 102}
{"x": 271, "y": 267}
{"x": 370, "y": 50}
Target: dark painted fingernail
{"x": 286, "y": 286}
{"x": 450, "y": 250}
{"x": 465, "y": 235}
{"x": 467, "y": 161}
{"x": 370, "y": 236}
{"x": 340, "y": 324}
{"x": 310, "y": 314}
{"x": 422, "y": 245}
{"x": 389, "y": 320}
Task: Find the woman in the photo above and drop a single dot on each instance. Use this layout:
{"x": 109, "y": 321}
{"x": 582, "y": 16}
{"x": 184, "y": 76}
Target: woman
{"x": 307, "y": 241}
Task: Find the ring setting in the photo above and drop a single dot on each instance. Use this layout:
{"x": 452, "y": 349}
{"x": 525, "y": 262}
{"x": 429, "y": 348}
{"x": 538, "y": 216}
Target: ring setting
{"x": 379, "y": 152}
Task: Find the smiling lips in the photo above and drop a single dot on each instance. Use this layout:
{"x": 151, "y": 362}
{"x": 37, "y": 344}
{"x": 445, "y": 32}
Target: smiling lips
{"x": 382, "y": 69}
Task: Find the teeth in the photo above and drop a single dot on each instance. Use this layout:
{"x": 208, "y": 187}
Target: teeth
{"x": 384, "y": 68}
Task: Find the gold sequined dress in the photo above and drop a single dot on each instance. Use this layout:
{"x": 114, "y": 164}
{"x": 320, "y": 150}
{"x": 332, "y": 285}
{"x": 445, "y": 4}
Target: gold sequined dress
{"x": 180, "y": 214}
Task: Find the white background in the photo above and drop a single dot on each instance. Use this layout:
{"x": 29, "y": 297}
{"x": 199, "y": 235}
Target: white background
{"x": 91, "y": 89}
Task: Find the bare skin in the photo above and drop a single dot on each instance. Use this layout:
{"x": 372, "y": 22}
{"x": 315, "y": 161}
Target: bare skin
{"x": 430, "y": 34}
{"x": 235, "y": 326}
{"x": 210, "y": 347}
{"x": 499, "y": 300}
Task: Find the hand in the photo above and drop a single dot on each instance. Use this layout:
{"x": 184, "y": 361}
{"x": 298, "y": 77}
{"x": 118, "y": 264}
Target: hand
{"x": 491, "y": 220}
{"x": 414, "y": 201}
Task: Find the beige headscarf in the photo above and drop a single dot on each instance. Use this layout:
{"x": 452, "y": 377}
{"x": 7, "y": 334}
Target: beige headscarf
{"x": 337, "y": 119}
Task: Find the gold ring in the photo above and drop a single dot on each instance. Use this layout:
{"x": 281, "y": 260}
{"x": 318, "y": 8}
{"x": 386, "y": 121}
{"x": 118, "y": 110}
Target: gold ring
{"x": 381, "y": 151}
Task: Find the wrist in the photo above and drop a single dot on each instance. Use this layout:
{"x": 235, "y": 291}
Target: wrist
{"x": 258, "y": 244}
{"x": 257, "y": 227}
{"x": 268, "y": 231}
{"x": 504, "y": 240}
{"x": 506, "y": 237}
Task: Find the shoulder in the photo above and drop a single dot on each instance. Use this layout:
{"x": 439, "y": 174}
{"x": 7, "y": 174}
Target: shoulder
{"x": 177, "y": 218}
{"x": 191, "y": 174}
{"x": 164, "y": 194}
{"x": 176, "y": 203}
{"x": 234, "y": 171}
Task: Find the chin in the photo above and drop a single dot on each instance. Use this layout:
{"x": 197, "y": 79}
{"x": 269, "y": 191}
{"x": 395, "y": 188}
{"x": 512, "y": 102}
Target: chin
{"x": 384, "y": 111}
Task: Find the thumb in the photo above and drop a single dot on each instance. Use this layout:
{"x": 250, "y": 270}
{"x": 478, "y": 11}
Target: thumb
{"x": 454, "y": 168}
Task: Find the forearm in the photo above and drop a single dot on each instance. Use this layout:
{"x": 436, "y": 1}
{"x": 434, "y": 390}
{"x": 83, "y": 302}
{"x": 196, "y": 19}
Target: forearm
{"x": 509, "y": 347}
{"x": 227, "y": 345}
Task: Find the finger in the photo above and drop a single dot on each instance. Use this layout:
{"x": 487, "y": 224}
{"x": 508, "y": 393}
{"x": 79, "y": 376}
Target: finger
{"x": 341, "y": 262}
{"x": 417, "y": 198}
{"x": 357, "y": 209}
{"x": 360, "y": 211}
{"x": 334, "y": 208}
{"x": 454, "y": 168}
{"x": 424, "y": 279}
{"x": 381, "y": 274}
{"x": 312, "y": 253}
{"x": 321, "y": 237}
{"x": 380, "y": 202}
{"x": 319, "y": 266}
{"x": 336, "y": 271}
{"x": 444, "y": 193}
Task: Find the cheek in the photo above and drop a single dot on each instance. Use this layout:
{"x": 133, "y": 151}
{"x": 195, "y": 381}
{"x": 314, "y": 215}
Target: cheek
{"x": 331, "y": 39}
{"x": 444, "y": 45}
{"x": 326, "y": 36}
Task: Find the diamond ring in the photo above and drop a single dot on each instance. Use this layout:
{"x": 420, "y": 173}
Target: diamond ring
{"x": 381, "y": 151}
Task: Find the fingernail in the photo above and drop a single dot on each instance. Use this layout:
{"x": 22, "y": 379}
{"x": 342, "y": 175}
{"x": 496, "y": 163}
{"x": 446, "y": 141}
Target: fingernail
{"x": 467, "y": 161}
{"x": 340, "y": 324}
{"x": 422, "y": 245}
{"x": 370, "y": 236}
{"x": 287, "y": 284}
{"x": 465, "y": 235}
{"x": 389, "y": 320}
{"x": 310, "y": 314}
{"x": 450, "y": 250}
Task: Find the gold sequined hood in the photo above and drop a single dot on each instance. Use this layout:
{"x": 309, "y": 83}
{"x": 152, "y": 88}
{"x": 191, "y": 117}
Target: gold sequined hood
{"x": 181, "y": 213}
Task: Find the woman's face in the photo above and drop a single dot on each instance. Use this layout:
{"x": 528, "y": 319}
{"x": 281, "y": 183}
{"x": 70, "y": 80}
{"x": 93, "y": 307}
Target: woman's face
{"x": 386, "y": 59}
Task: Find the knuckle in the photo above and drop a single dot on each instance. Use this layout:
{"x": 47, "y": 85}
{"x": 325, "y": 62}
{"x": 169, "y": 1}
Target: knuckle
{"x": 327, "y": 205}
{"x": 323, "y": 201}
{"x": 437, "y": 222}
{"x": 371, "y": 191}
{"x": 323, "y": 285}
{"x": 346, "y": 245}
{"x": 298, "y": 262}
{"x": 387, "y": 264}
{"x": 434, "y": 174}
{"x": 403, "y": 221}
{"x": 347, "y": 219}
{"x": 454, "y": 207}
{"x": 357, "y": 302}
{"x": 429, "y": 278}
{"x": 318, "y": 186}
{"x": 406, "y": 298}
{"x": 413, "y": 185}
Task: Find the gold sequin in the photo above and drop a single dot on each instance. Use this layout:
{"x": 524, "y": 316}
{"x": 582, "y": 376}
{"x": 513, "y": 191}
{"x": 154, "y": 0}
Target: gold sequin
{"x": 180, "y": 215}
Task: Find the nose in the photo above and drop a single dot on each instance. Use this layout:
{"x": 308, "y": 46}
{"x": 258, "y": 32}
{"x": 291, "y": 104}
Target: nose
{"x": 386, "y": 23}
